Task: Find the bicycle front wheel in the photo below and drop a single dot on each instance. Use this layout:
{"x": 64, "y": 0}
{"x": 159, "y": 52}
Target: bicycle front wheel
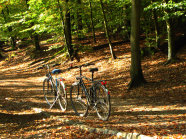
{"x": 62, "y": 95}
{"x": 103, "y": 106}
{"x": 49, "y": 91}
{"x": 78, "y": 100}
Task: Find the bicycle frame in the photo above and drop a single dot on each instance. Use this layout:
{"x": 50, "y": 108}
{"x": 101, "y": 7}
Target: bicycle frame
{"x": 82, "y": 84}
{"x": 54, "y": 83}
{"x": 91, "y": 89}
{"x": 95, "y": 96}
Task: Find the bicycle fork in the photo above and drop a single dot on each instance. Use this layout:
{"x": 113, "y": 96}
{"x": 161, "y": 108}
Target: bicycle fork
{"x": 56, "y": 94}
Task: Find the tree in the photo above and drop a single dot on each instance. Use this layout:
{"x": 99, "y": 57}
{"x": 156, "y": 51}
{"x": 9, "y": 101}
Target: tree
{"x": 168, "y": 12}
{"x": 92, "y": 22}
{"x": 10, "y": 28}
{"x": 1, "y": 44}
{"x": 157, "y": 29}
{"x": 35, "y": 35}
{"x": 171, "y": 36}
{"x": 107, "y": 32}
{"x": 0, "y": 55}
{"x": 136, "y": 74}
{"x": 79, "y": 19}
{"x": 67, "y": 31}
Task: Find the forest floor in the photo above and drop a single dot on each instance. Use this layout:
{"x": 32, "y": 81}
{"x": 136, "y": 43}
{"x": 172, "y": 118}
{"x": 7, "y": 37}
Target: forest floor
{"x": 156, "y": 109}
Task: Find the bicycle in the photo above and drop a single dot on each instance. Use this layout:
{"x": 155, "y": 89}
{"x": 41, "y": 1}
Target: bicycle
{"x": 54, "y": 89}
{"x": 96, "y": 96}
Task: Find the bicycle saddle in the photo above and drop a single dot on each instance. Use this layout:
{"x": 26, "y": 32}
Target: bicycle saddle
{"x": 56, "y": 71}
{"x": 93, "y": 69}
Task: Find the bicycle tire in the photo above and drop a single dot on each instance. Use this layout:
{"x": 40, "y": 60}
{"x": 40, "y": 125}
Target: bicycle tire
{"x": 49, "y": 91}
{"x": 103, "y": 106}
{"x": 62, "y": 100}
{"x": 79, "y": 100}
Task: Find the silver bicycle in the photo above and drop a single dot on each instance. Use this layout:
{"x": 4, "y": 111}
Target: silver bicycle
{"x": 54, "y": 89}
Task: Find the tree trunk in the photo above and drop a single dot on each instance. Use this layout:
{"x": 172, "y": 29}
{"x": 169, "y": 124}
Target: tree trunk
{"x": 35, "y": 36}
{"x": 1, "y": 55}
{"x": 36, "y": 42}
{"x": 92, "y": 22}
{"x": 106, "y": 31}
{"x": 63, "y": 24}
{"x": 170, "y": 31}
{"x": 67, "y": 29}
{"x": 126, "y": 22}
{"x": 12, "y": 37}
{"x": 66, "y": 25}
{"x": 157, "y": 29}
{"x": 13, "y": 42}
{"x": 136, "y": 74}
{"x": 79, "y": 20}
{"x": 171, "y": 36}
{"x": 27, "y": 3}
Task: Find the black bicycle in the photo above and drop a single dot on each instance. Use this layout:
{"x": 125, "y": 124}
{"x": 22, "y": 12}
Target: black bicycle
{"x": 96, "y": 96}
{"x": 54, "y": 89}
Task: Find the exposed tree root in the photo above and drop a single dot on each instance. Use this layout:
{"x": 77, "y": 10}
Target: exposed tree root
{"x": 171, "y": 61}
{"x": 136, "y": 82}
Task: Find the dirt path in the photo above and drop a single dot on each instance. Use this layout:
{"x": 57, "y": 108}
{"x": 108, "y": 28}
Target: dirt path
{"x": 156, "y": 109}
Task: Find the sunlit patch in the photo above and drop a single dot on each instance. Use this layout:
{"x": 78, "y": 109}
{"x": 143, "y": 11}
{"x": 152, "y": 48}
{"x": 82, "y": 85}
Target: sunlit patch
{"x": 37, "y": 110}
{"x": 18, "y": 66}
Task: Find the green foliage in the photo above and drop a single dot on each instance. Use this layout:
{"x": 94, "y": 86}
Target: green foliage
{"x": 176, "y": 9}
{"x": 148, "y": 51}
{"x": 23, "y": 20}
{"x": 63, "y": 50}
{"x": 42, "y": 16}
{"x": 86, "y": 48}
{"x": 53, "y": 47}
{"x": 11, "y": 56}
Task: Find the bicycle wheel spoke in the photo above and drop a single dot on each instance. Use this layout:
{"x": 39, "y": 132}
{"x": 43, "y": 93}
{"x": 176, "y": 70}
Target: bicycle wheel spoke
{"x": 78, "y": 100}
{"x": 62, "y": 96}
{"x": 102, "y": 103}
{"x": 49, "y": 92}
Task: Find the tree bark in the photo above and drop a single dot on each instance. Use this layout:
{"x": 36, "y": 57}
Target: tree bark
{"x": 1, "y": 55}
{"x": 136, "y": 74}
{"x": 106, "y": 31}
{"x": 67, "y": 30}
{"x": 92, "y": 22}
{"x": 63, "y": 24}
{"x": 171, "y": 36}
{"x": 79, "y": 20}
{"x": 157, "y": 29}
{"x": 12, "y": 37}
{"x": 36, "y": 42}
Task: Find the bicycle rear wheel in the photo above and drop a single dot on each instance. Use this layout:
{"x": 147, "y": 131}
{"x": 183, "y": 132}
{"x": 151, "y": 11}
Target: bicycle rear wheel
{"x": 62, "y": 100}
{"x": 49, "y": 91}
{"x": 78, "y": 100}
{"x": 102, "y": 106}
